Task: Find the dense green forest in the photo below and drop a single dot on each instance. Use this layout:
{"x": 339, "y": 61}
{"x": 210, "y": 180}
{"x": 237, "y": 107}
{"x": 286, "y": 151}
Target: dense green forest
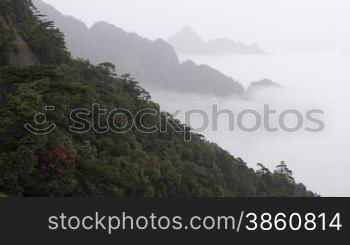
{"x": 132, "y": 164}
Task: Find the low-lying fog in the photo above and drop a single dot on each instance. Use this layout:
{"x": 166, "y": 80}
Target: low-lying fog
{"x": 311, "y": 81}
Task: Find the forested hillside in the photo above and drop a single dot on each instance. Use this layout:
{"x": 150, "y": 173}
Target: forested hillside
{"x": 132, "y": 164}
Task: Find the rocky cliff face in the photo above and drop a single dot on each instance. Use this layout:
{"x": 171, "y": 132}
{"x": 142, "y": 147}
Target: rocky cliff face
{"x": 23, "y": 55}
{"x": 15, "y": 50}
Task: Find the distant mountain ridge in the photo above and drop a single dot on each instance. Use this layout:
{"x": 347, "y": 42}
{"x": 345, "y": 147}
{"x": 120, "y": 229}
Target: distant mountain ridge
{"x": 154, "y": 64}
{"x": 187, "y": 41}
{"x": 262, "y": 85}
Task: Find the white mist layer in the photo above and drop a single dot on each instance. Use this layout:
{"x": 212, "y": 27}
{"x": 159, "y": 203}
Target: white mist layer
{"x": 319, "y": 160}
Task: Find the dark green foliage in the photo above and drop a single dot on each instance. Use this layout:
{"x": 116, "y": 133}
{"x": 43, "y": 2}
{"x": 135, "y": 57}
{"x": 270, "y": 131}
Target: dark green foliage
{"x": 131, "y": 164}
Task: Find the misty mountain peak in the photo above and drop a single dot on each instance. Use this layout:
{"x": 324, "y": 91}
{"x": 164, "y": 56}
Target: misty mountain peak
{"x": 104, "y": 26}
{"x": 187, "y": 36}
{"x": 187, "y": 41}
{"x": 188, "y": 30}
{"x": 154, "y": 64}
{"x": 262, "y": 85}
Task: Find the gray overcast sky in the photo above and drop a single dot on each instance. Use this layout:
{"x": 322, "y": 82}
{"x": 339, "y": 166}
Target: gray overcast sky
{"x": 274, "y": 24}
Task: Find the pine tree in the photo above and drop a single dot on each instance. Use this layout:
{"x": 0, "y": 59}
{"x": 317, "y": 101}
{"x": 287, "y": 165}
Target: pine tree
{"x": 283, "y": 169}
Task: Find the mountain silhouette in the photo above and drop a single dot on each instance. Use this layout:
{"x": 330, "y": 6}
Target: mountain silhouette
{"x": 187, "y": 41}
{"x": 154, "y": 64}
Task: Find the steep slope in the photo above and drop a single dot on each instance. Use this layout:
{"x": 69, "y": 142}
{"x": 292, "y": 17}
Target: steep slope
{"x": 13, "y": 49}
{"x": 25, "y": 40}
{"x": 154, "y": 63}
{"x": 187, "y": 41}
{"x": 112, "y": 163}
